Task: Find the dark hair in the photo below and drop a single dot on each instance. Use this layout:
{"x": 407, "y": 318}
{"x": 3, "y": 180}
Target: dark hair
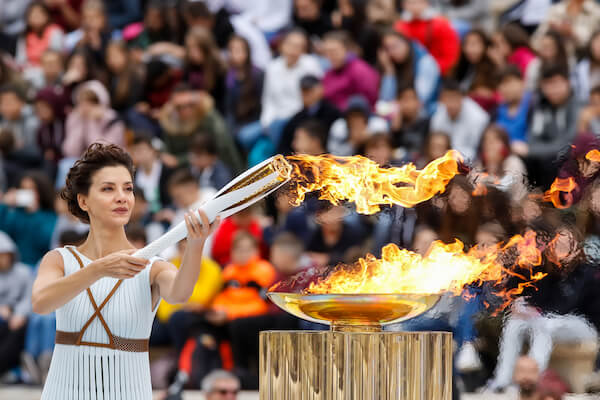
{"x": 212, "y": 65}
{"x": 339, "y": 36}
{"x": 241, "y": 236}
{"x": 562, "y": 56}
{"x": 14, "y": 89}
{"x": 451, "y": 85}
{"x": 246, "y": 105}
{"x": 552, "y": 70}
{"x": 405, "y": 87}
{"x": 204, "y": 143}
{"x": 405, "y": 71}
{"x": 375, "y": 139}
{"x": 79, "y": 179}
{"x": 144, "y": 138}
{"x": 136, "y": 232}
{"x": 595, "y": 90}
{"x": 590, "y": 52}
{"x": 70, "y": 237}
{"x": 30, "y": 8}
{"x": 510, "y": 71}
{"x": 499, "y": 131}
{"x": 484, "y": 70}
{"x": 316, "y": 130}
{"x": 44, "y": 188}
{"x": 289, "y": 241}
{"x": 181, "y": 176}
{"x": 515, "y": 36}
{"x": 138, "y": 193}
{"x": 197, "y": 9}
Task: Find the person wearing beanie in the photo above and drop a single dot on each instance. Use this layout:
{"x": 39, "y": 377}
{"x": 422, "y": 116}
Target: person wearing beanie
{"x": 15, "y": 303}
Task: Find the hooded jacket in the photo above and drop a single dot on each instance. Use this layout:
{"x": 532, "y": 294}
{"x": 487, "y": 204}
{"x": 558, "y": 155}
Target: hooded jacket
{"x": 16, "y": 282}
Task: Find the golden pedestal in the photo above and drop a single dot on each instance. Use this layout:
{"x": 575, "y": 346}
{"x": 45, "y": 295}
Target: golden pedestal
{"x": 355, "y": 360}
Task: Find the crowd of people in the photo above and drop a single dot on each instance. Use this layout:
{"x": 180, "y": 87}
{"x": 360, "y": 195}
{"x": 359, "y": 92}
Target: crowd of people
{"x": 199, "y": 90}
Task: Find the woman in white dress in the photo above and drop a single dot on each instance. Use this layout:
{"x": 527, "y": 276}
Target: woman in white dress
{"x": 105, "y": 299}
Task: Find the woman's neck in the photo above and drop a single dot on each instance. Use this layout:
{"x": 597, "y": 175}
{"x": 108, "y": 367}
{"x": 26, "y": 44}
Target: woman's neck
{"x": 102, "y": 241}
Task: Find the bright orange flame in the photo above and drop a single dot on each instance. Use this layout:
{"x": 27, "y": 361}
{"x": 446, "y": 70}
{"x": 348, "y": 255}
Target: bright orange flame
{"x": 445, "y": 268}
{"x": 365, "y": 183}
{"x": 561, "y": 185}
{"x": 593, "y": 155}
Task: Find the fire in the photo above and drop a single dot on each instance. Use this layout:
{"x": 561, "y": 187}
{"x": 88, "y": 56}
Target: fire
{"x": 593, "y": 155}
{"x": 369, "y": 186}
{"x": 445, "y": 268}
{"x": 560, "y": 185}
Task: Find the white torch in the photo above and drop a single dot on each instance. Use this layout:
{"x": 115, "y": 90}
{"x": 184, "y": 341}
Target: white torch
{"x": 245, "y": 190}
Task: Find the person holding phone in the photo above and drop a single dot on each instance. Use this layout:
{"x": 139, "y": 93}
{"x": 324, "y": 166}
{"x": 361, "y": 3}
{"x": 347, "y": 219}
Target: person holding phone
{"x": 104, "y": 297}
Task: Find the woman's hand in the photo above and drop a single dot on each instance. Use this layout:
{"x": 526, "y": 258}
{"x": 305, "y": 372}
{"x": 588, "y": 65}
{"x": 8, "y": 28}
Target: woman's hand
{"x": 199, "y": 229}
{"x": 120, "y": 265}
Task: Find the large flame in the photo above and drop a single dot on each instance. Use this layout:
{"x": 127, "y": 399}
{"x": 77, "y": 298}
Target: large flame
{"x": 445, "y": 268}
{"x": 593, "y": 155}
{"x": 561, "y": 187}
{"x": 369, "y": 186}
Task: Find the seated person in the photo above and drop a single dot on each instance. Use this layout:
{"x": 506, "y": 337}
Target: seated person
{"x": 310, "y": 138}
{"x": 205, "y": 163}
{"x": 409, "y": 123}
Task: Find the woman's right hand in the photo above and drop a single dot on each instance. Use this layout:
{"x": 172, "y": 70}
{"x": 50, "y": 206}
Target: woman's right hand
{"x": 120, "y": 265}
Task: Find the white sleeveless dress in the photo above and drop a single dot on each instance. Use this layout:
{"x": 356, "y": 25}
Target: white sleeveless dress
{"x": 97, "y": 373}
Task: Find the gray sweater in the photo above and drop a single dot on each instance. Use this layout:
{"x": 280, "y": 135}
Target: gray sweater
{"x": 15, "y": 288}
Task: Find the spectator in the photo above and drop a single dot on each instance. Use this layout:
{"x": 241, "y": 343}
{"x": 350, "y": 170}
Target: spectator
{"x": 576, "y": 20}
{"x": 407, "y": 63}
{"x": 281, "y": 97}
{"x": 125, "y": 84}
{"x": 310, "y": 138}
{"x": 155, "y": 27}
{"x": 27, "y": 215}
{"x": 53, "y": 68}
{"x": 436, "y": 144}
{"x": 91, "y": 120}
{"x": 314, "y": 107}
{"x": 220, "y": 385}
{"x": 526, "y": 376}
{"x": 349, "y": 75}
{"x": 13, "y": 23}
{"x": 151, "y": 174}
{"x": 15, "y": 303}
{"x": 460, "y": 206}
{"x": 80, "y": 68}
{"x": 475, "y": 70}
{"x": 500, "y": 165}
{"x": 309, "y": 16}
{"x": 420, "y": 22}
{"x": 461, "y": 117}
{"x": 288, "y": 219}
{"x": 552, "y": 50}
{"x": 552, "y": 125}
{"x": 19, "y": 118}
{"x": 188, "y": 112}
{"x": 205, "y": 164}
{"x": 588, "y": 69}
{"x": 513, "y": 112}
{"x": 349, "y": 133}
{"x": 351, "y": 17}
{"x": 66, "y": 14}
{"x": 243, "y": 221}
{"x": 67, "y": 225}
{"x": 379, "y": 148}
{"x": 589, "y": 118}
{"x": 94, "y": 34}
{"x": 244, "y": 85}
{"x": 50, "y": 110}
{"x": 409, "y": 124}
{"x": 510, "y": 45}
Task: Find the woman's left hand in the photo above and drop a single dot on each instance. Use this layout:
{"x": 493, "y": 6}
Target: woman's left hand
{"x": 199, "y": 229}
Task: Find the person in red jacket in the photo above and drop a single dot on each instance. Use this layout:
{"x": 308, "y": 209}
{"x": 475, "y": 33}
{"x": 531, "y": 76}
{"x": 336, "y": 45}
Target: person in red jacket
{"x": 244, "y": 220}
{"x": 419, "y": 22}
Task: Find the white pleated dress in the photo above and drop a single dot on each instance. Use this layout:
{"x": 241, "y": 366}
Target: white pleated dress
{"x": 82, "y": 372}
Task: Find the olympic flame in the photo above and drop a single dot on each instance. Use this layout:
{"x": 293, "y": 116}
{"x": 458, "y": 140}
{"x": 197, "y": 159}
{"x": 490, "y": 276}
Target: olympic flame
{"x": 558, "y": 187}
{"x": 365, "y": 183}
{"x": 445, "y": 268}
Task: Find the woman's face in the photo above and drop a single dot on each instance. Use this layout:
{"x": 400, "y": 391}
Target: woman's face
{"x": 28, "y": 184}
{"x": 194, "y": 52}
{"x": 397, "y": 48}
{"x": 243, "y": 252}
{"x": 237, "y": 53}
{"x": 548, "y": 50}
{"x": 292, "y": 47}
{"x": 493, "y": 147}
{"x": 37, "y": 18}
{"x": 474, "y": 48}
{"x": 500, "y": 45}
{"x": 44, "y": 111}
{"x": 116, "y": 58}
{"x": 459, "y": 200}
{"x": 438, "y": 146}
{"x": 153, "y": 19}
{"x": 110, "y": 198}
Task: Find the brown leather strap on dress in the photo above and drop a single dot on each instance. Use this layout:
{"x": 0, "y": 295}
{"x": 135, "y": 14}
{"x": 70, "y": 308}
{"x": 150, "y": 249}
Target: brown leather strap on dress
{"x": 118, "y": 343}
{"x": 115, "y": 342}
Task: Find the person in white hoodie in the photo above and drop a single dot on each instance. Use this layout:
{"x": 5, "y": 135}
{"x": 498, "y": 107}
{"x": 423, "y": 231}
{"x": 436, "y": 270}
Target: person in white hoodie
{"x": 461, "y": 117}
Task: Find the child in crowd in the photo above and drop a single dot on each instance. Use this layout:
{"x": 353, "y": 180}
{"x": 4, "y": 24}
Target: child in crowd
{"x": 409, "y": 123}
{"x": 310, "y": 138}
{"x": 16, "y": 281}
{"x": 19, "y": 117}
{"x": 205, "y": 164}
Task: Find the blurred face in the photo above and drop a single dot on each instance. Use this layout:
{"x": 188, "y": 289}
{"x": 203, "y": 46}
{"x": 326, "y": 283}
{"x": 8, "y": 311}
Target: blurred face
{"x": 10, "y": 106}
{"x": 153, "y": 19}
{"x": 184, "y": 195}
{"x": 238, "y": 56}
{"x": 345, "y": 8}
{"x": 459, "y": 200}
{"x": 292, "y": 47}
{"x": 397, "y": 48}
{"x": 306, "y": 9}
{"x": 140, "y": 209}
{"x": 453, "y": 102}
{"x": 526, "y": 375}
{"x": 142, "y": 154}
{"x": 380, "y": 152}
{"x": 285, "y": 260}
{"x": 116, "y": 58}
{"x": 556, "y": 89}
{"x": 185, "y": 104}
{"x": 243, "y": 252}
{"x": 224, "y": 389}
{"x": 438, "y": 146}
{"x": 194, "y": 52}
{"x": 357, "y": 126}
{"x": 423, "y": 240}
{"x": 37, "y": 18}
{"x": 52, "y": 65}
{"x": 335, "y": 52}
{"x": 493, "y": 147}
{"x": 5, "y": 261}
{"x": 110, "y": 198}
{"x": 415, "y": 7}
{"x": 410, "y": 105}
{"x": 93, "y": 19}
{"x": 312, "y": 96}
{"x": 44, "y": 112}
{"x": 474, "y": 48}
{"x": 548, "y": 50}
{"x": 304, "y": 143}
{"x": 500, "y": 45}
{"x": 202, "y": 160}
{"x": 511, "y": 89}
{"x": 485, "y": 239}
{"x": 29, "y": 184}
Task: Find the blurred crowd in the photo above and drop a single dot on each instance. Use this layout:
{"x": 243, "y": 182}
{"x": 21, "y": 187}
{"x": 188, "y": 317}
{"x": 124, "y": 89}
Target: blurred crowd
{"x": 198, "y": 91}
